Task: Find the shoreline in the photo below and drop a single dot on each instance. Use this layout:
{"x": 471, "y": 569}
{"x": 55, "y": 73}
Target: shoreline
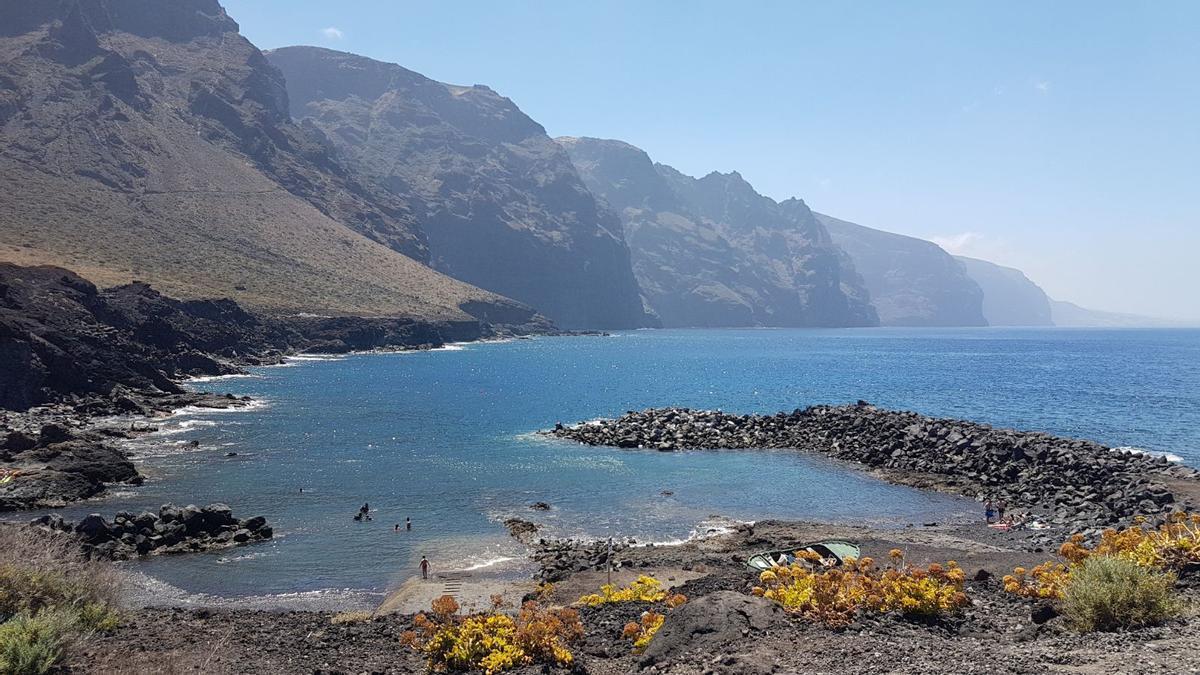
{"x": 996, "y": 633}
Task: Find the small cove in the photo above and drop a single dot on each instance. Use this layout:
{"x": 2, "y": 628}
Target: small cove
{"x": 448, "y": 438}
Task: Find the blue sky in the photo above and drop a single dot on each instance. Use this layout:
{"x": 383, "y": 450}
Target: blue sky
{"x": 1058, "y": 137}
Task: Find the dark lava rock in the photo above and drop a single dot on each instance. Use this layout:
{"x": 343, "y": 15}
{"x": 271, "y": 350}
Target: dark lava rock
{"x": 174, "y": 530}
{"x": 710, "y": 623}
{"x": 1043, "y": 613}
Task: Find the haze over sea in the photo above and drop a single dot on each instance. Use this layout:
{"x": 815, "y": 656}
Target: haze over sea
{"x": 446, "y": 437}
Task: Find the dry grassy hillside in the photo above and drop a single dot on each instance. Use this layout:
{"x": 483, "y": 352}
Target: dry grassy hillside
{"x": 153, "y": 142}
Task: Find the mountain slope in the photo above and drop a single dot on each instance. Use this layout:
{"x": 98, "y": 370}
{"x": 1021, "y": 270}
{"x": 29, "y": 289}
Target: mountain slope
{"x": 499, "y": 201}
{"x": 912, "y": 282}
{"x": 713, "y": 252}
{"x": 149, "y": 140}
{"x": 1009, "y": 297}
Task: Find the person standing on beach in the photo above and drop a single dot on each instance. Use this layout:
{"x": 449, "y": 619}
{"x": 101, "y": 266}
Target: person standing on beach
{"x": 424, "y": 568}
{"x": 1001, "y": 507}
{"x": 989, "y": 511}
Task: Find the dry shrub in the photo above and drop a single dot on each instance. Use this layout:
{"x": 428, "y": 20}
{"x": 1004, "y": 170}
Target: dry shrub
{"x": 358, "y": 616}
{"x": 1111, "y": 593}
{"x": 493, "y": 641}
{"x": 40, "y": 569}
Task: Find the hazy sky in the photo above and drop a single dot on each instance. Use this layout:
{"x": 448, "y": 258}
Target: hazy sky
{"x": 1062, "y": 138}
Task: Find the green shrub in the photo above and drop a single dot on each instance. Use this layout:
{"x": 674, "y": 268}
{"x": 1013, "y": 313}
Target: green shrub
{"x": 31, "y": 645}
{"x": 1108, "y": 593}
{"x": 51, "y": 596}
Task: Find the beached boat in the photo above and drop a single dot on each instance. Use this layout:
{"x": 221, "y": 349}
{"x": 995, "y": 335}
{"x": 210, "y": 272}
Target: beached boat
{"x": 831, "y": 552}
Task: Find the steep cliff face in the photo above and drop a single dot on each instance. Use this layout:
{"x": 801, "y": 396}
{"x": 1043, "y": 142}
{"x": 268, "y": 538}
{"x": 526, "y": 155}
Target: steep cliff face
{"x": 499, "y": 201}
{"x": 912, "y": 282}
{"x": 1009, "y": 297}
{"x": 713, "y": 252}
{"x": 148, "y": 140}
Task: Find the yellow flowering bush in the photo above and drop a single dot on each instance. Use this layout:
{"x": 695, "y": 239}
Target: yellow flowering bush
{"x": 1169, "y": 547}
{"x": 642, "y": 631}
{"x": 493, "y": 642}
{"x": 833, "y": 596}
{"x": 1045, "y": 581}
{"x": 644, "y": 589}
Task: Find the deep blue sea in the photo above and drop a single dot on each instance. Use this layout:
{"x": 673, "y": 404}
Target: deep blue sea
{"x": 446, "y": 437}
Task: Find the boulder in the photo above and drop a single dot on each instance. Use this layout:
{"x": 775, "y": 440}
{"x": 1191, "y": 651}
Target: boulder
{"x": 53, "y": 433}
{"x": 709, "y": 623}
{"x": 93, "y": 529}
{"x": 169, "y": 513}
{"x": 192, "y": 518}
{"x": 216, "y": 516}
{"x": 254, "y": 524}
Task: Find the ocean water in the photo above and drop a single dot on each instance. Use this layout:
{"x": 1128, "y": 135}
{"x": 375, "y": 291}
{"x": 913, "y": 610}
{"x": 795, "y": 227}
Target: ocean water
{"x": 447, "y": 438}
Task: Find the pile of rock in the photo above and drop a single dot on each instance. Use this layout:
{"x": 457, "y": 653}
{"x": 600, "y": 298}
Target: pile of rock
{"x": 172, "y": 530}
{"x": 1067, "y": 481}
{"x": 558, "y": 559}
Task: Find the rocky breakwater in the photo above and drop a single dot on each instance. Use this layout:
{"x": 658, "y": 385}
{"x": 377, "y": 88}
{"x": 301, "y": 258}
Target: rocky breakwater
{"x": 173, "y": 529}
{"x": 1066, "y": 481}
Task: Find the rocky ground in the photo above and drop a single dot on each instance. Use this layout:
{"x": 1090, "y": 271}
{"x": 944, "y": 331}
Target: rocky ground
{"x": 1059, "y": 480}
{"x": 722, "y": 629}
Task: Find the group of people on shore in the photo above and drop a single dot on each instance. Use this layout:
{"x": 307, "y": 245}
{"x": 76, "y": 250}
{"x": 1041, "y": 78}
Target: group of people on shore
{"x": 998, "y": 515}
{"x": 364, "y": 514}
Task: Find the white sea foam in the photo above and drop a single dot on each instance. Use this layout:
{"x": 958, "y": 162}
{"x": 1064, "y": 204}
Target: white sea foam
{"x": 1171, "y": 457}
{"x": 149, "y": 591}
{"x": 489, "y": 562}
{"x": 225, "y": 560}
{"x": 214, "y": 378}
{"x": 312, "y": 357}
{"x": 197, "y": 410}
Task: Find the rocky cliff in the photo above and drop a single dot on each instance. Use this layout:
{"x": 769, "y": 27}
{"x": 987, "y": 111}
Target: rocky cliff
{"x": 64, "y": 339}
{"x": 500, "y": 203}
{"x": 149, "y": 140}
{"x": 713, "y": 252}
{"x": 912, "y": 282}
{"x": 1009, "y": 297}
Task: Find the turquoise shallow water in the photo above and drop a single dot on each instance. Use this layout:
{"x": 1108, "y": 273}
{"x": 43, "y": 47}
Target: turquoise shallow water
{"x": 446, "y": 437}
